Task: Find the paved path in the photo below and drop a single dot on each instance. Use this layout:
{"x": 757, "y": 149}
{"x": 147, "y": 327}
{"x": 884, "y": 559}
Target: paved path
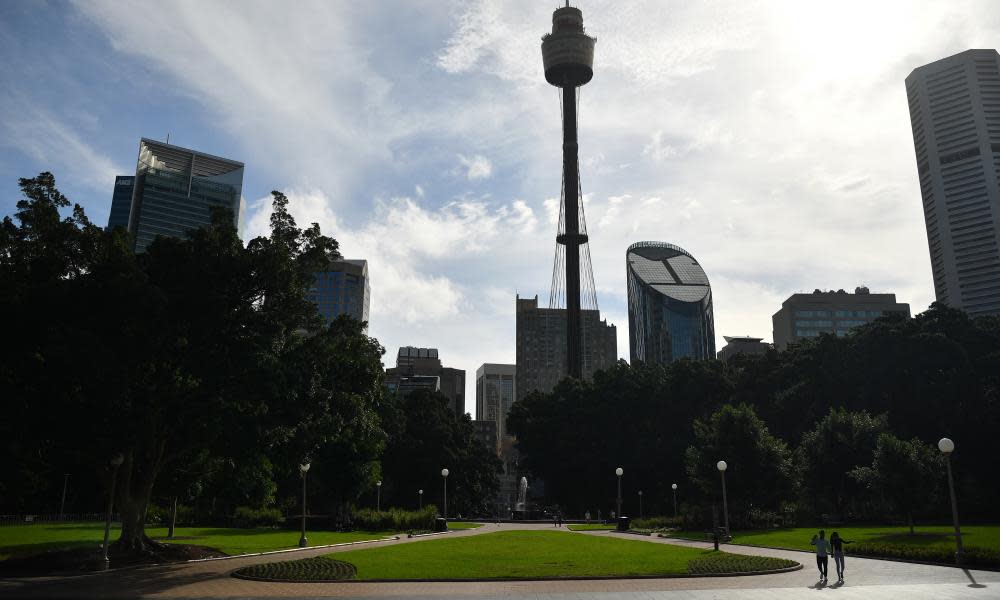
{"x": 868, "y": 579}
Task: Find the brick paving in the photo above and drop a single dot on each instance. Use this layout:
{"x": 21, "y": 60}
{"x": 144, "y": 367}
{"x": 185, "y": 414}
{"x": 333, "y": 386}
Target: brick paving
{"x": 866, "y": 578}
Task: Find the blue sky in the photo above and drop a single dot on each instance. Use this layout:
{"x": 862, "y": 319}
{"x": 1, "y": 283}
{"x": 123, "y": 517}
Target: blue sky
{"x": 770, "y": 139}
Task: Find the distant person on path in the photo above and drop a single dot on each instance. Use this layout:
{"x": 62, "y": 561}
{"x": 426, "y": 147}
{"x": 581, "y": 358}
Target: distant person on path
{"x": 822, "y": 550}
{"x": 555, "y": 520}
{"x": 837, "y": 543}
{"x": 559, "y": 517}
{"x": 586, "y": 515}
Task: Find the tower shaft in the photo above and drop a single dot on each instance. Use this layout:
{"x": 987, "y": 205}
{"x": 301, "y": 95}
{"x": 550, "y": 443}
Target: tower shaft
{"x": 572, "y": 238}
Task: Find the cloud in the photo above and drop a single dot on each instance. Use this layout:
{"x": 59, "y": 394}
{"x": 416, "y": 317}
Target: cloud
{"x": 476, "y": 167}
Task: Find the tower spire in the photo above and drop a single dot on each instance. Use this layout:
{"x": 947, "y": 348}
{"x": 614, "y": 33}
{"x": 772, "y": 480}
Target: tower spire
{"x": 568, "y": 57}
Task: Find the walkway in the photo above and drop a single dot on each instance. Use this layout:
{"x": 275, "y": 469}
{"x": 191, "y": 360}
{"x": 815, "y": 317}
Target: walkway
{"x": 869, "y": 579}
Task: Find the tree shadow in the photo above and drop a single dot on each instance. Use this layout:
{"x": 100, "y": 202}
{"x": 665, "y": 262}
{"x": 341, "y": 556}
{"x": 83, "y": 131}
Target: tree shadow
{"x": 974, "y": 583}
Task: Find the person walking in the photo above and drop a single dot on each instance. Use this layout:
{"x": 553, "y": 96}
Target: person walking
{"x": 822, "y": 552}
{"x": 837, "y": 544}
{"x": 559, "y": 517}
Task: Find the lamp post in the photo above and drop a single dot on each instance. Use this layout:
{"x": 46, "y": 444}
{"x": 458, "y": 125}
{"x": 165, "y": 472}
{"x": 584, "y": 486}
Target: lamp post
{"x": 444, "y": 480}
{"x": 947, "y": 446}
{"x": 116, "y": 462}
{"x": 619, "y": 472}
{"x": 722, "y": 466}
{"x": 420, "y": 499}
{"x": 673, "y": 486}
{"x": 62, "y": 503}
{"x": 378, "y": 496}
{"x": 304, "y": 468}
{"x": 640, "y": 504}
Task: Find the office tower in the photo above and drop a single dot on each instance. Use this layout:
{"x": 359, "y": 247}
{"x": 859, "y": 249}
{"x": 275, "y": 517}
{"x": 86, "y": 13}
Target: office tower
{"x": 342, "y": 289}
{"x": 669, "y": 305}
{"x": 737, "y": 345}
{"x": 568, "y": 58}
{"x": 805, "y": 316}
{"x": 121, "y": 202}
{"x": 955, "y": 116}
{"x": 495, "y": 394}
{"x": 541, "y": 348}
{"x": 418, "y": 368}
{"x": 176, "y": 190}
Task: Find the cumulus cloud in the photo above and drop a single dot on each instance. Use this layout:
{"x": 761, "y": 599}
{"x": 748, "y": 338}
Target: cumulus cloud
{"x": 476, "y": 167}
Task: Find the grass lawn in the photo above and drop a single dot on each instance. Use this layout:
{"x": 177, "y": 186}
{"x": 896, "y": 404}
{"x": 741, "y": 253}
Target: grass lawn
{"x": 519, "y": 554}
{"x": 463, "y": 525}
{"x": 34, "y": 539}
{"x": 591, "y": 527}
{"x": 982, "y": 536}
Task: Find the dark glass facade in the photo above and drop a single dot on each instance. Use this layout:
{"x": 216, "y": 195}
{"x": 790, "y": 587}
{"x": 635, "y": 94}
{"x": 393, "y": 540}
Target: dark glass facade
{"x": 669, "y": 305}
{"x": 121, "y": 202}
{"x": 342, "y": 290}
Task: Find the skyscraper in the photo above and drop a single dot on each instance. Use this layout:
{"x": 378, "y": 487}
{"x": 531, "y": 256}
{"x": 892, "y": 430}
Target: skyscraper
{"x": 342, "y": 289}
{"x": 177, "y": 188}
{"x": 121, "y": 202}
{"x": 669, "y": 305}
{"x": 418, "y": 368}
{"x": 955, "y": 116}
{"x": 541, "y": 346}
{"x": 805, "y": 316}
{"x": 495, "y": 394}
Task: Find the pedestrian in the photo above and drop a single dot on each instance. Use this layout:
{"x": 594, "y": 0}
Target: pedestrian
{"x": 559, "y": 516}
{"x": 555, "y": 520}
{"x": 837, "y": 544}
{"x": 822, "y": 549}
{"x": 586, "y": 515}
{"x": 599, "y": 516}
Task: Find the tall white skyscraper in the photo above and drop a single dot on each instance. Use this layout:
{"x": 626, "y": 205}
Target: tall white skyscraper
{"x": 955, "y": 115}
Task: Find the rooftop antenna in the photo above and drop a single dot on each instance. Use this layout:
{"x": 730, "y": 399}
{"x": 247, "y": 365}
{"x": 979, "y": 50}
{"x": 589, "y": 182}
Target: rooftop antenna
{"x": 168, "y": 133}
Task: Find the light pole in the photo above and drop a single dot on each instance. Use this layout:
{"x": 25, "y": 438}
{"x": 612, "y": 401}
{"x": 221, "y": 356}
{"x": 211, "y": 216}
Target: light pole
{"x": 947, "y": 446}
{"x": 378, "y": 497}
{"x": 304, "y": 468}
{"x": 673, "y": 486}
{"x": 722, "y": 466}
{"x": 444, "y": 480}
{"x": 619, "y": 472}
{"x": 62, "y": 503}
{"x": 115, "y": 462}
{"x": 420, "y": 499}
{"x": 640, "y": 504}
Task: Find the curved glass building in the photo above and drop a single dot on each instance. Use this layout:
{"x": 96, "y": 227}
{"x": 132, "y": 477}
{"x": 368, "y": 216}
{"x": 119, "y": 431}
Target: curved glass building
{"x": 669, "y": 305}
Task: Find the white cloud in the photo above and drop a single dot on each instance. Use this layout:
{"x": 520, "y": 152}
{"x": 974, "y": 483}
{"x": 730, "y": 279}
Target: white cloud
{"x": 476, "y": 167}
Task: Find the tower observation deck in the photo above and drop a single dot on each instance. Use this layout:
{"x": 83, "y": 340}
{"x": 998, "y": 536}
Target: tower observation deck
{"x": 568, "y": 58}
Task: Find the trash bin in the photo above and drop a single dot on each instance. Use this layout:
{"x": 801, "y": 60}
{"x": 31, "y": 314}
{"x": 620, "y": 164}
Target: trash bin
{"x": 440, "y": 524}
{"x": 623, "y": 523}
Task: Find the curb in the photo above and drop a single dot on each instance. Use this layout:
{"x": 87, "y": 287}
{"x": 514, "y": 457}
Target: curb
{"x": 797, "y": 567}
{"x": 420, "y": 535}
{"x": 287, "y": 550}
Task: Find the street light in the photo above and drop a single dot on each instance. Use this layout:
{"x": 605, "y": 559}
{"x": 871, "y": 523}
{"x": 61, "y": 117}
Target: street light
{"x": 640, "y": 504}
{"x": 947, "y": 446}
{"x": 304, "y": 468}
{"x": 420, "y": 499}
{"x": 722, "y": 466}
{"x": 62, "y": 503}
{"x": 116, "y": 462}
{"x": 673, "y": 486}
{"x": 444, "y": 479}
{"x": 378, "y": 497}
{"x": 619, "y": 472}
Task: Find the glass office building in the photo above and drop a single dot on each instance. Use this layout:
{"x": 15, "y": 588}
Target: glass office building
{"x": 121, "y": 202}
{"x": 342, "y": 289}
{"x": 669, "y": 305}
{"x": 176, "y": 190}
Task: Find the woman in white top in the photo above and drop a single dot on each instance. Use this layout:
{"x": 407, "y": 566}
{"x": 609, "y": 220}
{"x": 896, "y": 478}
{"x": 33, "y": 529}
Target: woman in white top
{"x": 822, "y": 551}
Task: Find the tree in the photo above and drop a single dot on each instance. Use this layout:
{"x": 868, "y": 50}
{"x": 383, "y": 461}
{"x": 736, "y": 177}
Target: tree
{"x": 839, "y": 443}
{"x": 904, "y": 474}
{"x": 759, "y": 465}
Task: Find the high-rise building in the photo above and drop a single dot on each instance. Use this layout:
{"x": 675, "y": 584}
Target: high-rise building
{"x": 418, "y": 368}
{"x": 541, "y": 346}
{"x": 669, "y": 305}
{"x": 342, "y": 289}
{"x": 737, "y": 345}
{"x": 955, "y": 116}
{"x": 805, "y": 316}
{"x": 121, "y": 202}
{"x": 176, "y": 190}
{"x": 495, "y": 393}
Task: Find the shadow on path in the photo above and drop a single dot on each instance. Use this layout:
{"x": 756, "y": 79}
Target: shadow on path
{"x": 974, "y": 584}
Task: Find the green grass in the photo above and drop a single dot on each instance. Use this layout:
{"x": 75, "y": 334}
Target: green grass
{"x": 937, "y": 536}
{"x": 34, "y": 539}
{"x": 520, "y": 554}
{"x": 463, "y": 525}
{"x": 591, "y": 527}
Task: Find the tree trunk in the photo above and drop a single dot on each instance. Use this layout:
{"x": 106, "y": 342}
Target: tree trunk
{"x": 135, "y": 489}
{"x": 911, "y": 523}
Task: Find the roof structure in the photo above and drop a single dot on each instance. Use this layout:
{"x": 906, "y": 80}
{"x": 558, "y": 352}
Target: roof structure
{"x": 668, "y": 269}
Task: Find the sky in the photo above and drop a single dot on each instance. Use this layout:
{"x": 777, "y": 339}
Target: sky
{"x": 770, "y": 139}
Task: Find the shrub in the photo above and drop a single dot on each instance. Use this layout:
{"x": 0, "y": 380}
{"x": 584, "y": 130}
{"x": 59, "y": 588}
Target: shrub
{"x": 244, "y": 516}
{"x": 736, "y": 563}
{"x": 980, "y": 557}
{"x": 395, "y": 519}
{"x": 156, "y": 514}
{"x": 306, "y": 569}
{"x": 657, "y": 523}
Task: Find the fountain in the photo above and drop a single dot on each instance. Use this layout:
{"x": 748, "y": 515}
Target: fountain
{"x": 521, "y": 510}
